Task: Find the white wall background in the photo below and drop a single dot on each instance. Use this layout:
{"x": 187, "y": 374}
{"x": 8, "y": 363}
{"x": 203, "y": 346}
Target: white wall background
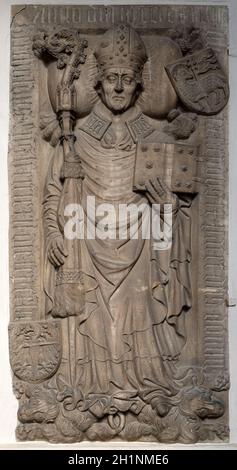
{"x": 8, "y": 403}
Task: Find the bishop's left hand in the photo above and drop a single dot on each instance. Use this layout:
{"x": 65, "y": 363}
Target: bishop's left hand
{"x": 158, "y": 192}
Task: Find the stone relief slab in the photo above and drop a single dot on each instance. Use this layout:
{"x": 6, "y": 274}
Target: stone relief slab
{"x": 115, "y": 334}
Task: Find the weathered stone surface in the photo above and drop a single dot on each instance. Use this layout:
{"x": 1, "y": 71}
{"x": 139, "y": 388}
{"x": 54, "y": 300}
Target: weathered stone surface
{"x": 115, "y": 336}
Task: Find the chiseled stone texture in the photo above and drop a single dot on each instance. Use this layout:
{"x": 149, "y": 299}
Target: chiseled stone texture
{"x": 110, "y": 338}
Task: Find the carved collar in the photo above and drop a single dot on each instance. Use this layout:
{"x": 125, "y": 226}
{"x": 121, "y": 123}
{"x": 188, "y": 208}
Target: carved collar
{"x": 100, "y": 119}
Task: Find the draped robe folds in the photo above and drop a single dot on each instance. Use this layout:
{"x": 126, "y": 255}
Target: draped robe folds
{"x": 132, "y": 328}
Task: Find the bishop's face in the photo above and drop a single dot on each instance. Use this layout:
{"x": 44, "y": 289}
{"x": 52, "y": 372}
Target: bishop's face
{"x": 118, "y": 89}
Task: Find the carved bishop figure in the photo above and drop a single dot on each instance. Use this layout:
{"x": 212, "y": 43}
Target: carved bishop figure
{"x": 130, "y": 325}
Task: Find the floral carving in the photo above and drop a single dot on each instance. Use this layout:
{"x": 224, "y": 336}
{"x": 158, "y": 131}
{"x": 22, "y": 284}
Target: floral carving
{"x": 113, "y": 364}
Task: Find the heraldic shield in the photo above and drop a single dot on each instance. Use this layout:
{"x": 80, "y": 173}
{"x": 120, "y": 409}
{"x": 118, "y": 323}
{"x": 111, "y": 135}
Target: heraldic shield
{"x": 200, "y": 82}
{"x": 119, "y": 202}
{"x": 37, "y": 349}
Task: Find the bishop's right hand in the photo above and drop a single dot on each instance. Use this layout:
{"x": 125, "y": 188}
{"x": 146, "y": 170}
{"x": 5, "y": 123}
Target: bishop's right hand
{"x": 57, "y": 251}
